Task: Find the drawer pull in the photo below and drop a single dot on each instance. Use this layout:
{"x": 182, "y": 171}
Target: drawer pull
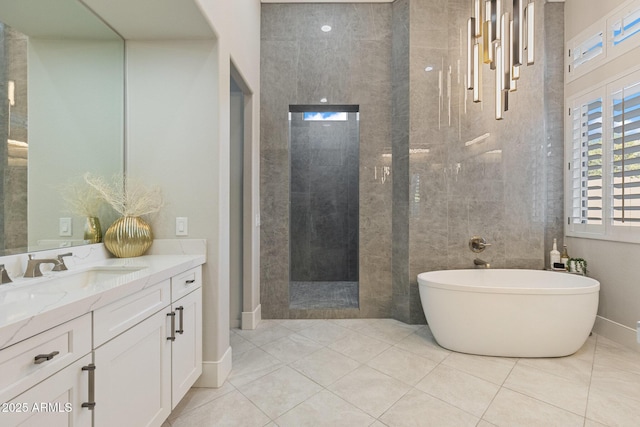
{"x": 44, "y": 357}
{"x": 173, "y": 326}
{"x": 91, "y": 368}
{"x": 181, "y": 310}
{"x": 188, "y": 282}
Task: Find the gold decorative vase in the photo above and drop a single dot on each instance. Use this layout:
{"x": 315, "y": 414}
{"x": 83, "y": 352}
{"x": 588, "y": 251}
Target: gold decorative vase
{"x": 128, "y": 236}
{"x": 92, "y": 230}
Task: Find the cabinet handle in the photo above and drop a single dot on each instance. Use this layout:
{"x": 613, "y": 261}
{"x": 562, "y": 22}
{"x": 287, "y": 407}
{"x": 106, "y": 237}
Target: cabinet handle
{"x": 181, "y": 310}
{"x": 188, "y": 282}
{"x": 173, "y": 326}
{"x": 44, "y": 357}
{"x": 92, "y": 386}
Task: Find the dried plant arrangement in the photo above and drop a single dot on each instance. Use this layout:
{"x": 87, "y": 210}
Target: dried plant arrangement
{"x": 81, "y": 199}
{"x": 128, "y": 197}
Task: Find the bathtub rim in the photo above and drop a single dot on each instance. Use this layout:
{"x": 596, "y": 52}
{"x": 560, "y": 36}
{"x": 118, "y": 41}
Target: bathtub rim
{"x": 591, "y": 285}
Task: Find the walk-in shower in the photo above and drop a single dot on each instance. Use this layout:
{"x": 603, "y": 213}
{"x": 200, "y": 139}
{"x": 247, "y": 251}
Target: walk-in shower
{"x": 323, "y": 206}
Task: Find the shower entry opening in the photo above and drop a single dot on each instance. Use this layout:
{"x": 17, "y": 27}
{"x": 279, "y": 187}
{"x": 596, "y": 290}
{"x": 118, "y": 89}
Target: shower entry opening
{"x": 324, "y": 206}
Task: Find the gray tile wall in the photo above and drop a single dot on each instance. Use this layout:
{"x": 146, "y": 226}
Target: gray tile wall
{"x": 400, "y": 85}
{"x": 350, "y": 65}
{"x": 324, "y": 200}
{"x": 507, "y": 188}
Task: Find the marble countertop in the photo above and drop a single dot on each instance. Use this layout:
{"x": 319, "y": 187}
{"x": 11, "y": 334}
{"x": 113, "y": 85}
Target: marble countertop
{"x": 29, "y": 306}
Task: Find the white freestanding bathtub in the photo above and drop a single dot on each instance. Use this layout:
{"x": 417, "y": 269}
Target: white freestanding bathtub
{"x": 514, "y": 313}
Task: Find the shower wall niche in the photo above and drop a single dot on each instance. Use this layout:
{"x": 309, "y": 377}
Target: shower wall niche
{"x": 324, "y": 208}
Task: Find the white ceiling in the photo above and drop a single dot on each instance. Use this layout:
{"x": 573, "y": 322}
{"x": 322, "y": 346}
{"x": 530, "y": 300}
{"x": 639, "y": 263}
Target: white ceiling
{"x": 351, "y": 1}
{"x": 327, "y": 1}
{"x": 153, "y": 19}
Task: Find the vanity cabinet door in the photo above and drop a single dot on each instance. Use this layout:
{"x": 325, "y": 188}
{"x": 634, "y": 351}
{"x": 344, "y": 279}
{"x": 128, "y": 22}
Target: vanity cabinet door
{"x": 55, "y": 402}
{"x": 187, "y": 347}
{"x": 133, "y": 376}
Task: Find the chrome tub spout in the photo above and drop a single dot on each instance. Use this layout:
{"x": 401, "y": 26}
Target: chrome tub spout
{"x": 481, "y": 263}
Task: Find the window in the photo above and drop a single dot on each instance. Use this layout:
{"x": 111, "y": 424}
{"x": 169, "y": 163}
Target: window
{"x": 626, "y": 26}
{"x": 603, "y": 178}
{"x": 586, "y": 51}
{"x": 602, "y": 181}
{"x": 326, "y": 116}
{"x": 612, "y": 36}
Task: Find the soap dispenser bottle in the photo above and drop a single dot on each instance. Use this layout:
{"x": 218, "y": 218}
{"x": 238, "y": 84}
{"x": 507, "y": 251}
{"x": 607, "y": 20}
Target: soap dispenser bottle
{"x": 554, "y": 255}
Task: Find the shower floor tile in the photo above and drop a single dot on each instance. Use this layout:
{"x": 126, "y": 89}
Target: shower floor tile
{"x": 319, "y": 295}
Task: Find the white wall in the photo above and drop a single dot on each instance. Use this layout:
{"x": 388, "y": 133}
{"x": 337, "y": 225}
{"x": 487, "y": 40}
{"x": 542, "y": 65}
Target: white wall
{"x": 612, "y": 263}
{"x": 178, "y": 121}
{"x": 172, "y": 132}
{"x": 237, "y": 25}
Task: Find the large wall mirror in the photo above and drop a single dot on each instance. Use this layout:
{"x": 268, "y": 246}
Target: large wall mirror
{"x": 62, "y": 85}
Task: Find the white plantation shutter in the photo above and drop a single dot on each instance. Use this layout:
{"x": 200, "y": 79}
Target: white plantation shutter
{"x": 624, "y": 105}
{"x": 624, "y": 26}
{"x": 586, "y": 50}
{"x": 585, "y": 168}
{"x": 602, "y": 145}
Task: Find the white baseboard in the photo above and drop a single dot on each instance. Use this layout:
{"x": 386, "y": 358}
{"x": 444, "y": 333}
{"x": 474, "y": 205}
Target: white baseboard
{"x": 616, "y": 332}
{"x": 214, "y": 374}
{"x": 250, "y": 319}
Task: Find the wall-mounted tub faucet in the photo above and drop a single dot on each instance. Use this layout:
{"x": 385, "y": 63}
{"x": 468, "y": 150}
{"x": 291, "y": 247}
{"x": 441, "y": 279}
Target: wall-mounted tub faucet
{"x": 481, "y": 263}
{"x": 477, "y": 244}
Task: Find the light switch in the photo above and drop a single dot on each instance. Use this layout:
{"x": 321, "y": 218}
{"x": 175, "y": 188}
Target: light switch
{"x": 182, "y": 226}
{"x": 64, "y": 228}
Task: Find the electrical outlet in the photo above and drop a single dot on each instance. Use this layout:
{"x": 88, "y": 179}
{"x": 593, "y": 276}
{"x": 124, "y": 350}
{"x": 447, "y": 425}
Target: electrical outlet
{"x": 65, "y": 228}
{"x": 182, "y": 226}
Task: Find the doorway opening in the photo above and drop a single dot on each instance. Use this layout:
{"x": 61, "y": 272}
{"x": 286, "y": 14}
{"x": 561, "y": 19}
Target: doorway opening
{"x": 324, "y": 206}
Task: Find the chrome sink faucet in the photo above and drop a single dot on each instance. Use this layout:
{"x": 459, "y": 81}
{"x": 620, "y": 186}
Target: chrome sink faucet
{"x": 4, "y": 276}
{"x": 33, "y": 265}
{"x": 61, "y": 266}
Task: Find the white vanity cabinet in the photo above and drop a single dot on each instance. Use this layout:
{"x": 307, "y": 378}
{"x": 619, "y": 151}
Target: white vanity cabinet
{"x": 142, "y": 373}
{"x": 126, "y": 358}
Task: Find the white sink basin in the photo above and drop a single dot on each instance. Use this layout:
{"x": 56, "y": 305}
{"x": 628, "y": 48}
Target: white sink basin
{"x": 25, "y": 290}
{"x": 72, "y": 281}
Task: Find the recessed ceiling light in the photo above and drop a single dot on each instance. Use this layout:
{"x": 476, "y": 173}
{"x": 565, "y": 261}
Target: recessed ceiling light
{"x": 326, "y": 28}
{"x": 323, "y": 100}
{"x": 428, "y": 68}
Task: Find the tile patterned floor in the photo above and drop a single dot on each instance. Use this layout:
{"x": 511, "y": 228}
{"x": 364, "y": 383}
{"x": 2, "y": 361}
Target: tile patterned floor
{"x": 381, "y": 372}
